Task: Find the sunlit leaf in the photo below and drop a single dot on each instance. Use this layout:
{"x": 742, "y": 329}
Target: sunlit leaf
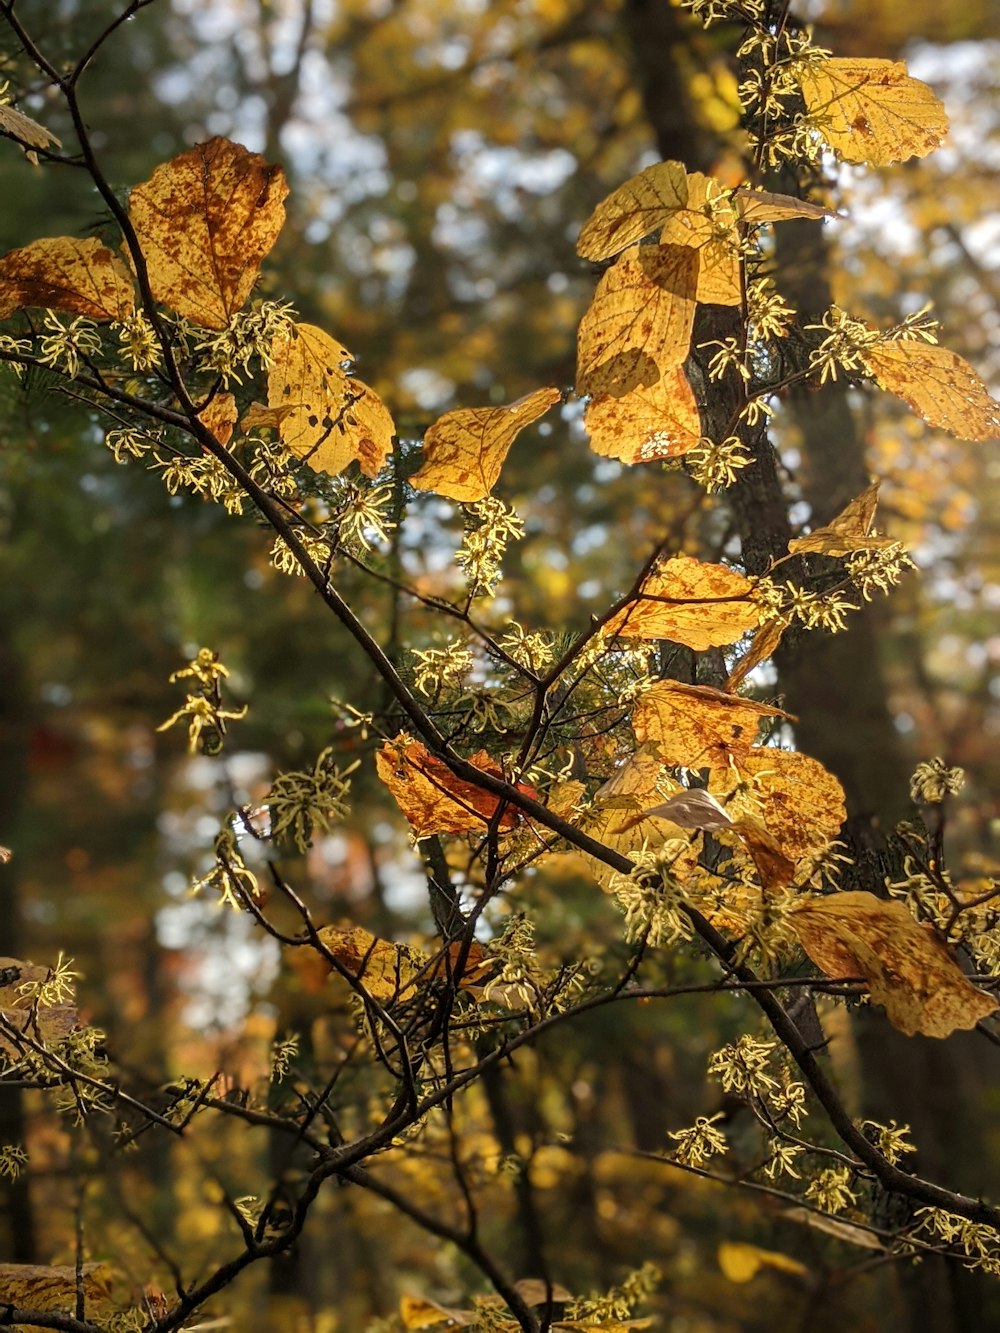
{"x": 872, "y": 110}
{"x": 63, "y": 273}
{"x": 756, "y": 206}
{"x": 693, "y": 808}
{"x": 691, "y": 602}
{"x": 709, "y": 224}
{"x": 741, "y": 1262}
{"x": 465, "y": 450}
{"x": 763, "y": 644}
{"x": 908, "y": 969}
{"x": 219, "y": 416}
{"x": 660, "y": 420}
{"x": 637, "y": 208}
{"x": 939, "y": 385}
{"x": 384, "y": 969}
{"x": 800, "y": 803}
{"x": 206, "y": 220}
{"x": 333, "y": 420}
{"x": 639, "y": 323}
{"x": 431, "y": 797}
{"x": 696, "y": 725}
{"x": 849, "y": 531}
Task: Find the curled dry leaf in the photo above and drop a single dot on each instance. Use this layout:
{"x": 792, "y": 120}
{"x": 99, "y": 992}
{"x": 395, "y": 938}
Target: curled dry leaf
{"x": 696, "y": 725}
{"x": 756, "y": 206}
{"x": 741, "y": 1262}
{"x": 655, "y": 421}
{"x": 908, "y": 969}
{"x": 465, "y": 450}
{"x": 872, "y": 110}
{"x": 690, "y": 808}
{"x": 206, "y": 220}
{"x": 849, "y": 531}
{"x": 692, "y": 602}
{"x": 63, "y": 273}
{"x": 327, "y": 418}
{"x": 799, "y": 802}
{"x": 431, "y": 797}
{"x": 219, "y": 416}
{"x": 939, "y": 385}
{"x": 639, "y": 322}
{"x": 25, "y": 130}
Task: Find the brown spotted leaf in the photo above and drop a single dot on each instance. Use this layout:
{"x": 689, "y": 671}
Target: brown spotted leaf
{"x": 53, "y": 1287}
{"x": 465, "y": 450}
{"x": 939, "y": 385}
{"x": 660, "y": 420}
{"x": 639, "y": 323}
{"x": 328, "y": 419}
{"x": 850, "y": 531}
{"x": 431, "y": 797}
{"x": 871, "y": 110}
{"x": 384, "y": 969}
{"x": 799, "y": 802}
{"x": 637, "y": 208}
{"x": 63, "y": 273}
{"x": 697, "y": 726}
{"x": 219, "y": 416}
{"x": 206, "y": 220}
{"x": 691, "y": 602}
{"x": 909, "y": 971}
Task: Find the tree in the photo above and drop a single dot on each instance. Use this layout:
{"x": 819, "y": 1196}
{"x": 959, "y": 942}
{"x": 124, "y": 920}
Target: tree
{"x": 532, "y": 766}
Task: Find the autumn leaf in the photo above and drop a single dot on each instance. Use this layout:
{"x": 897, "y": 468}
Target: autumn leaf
{"x": 384, "y": 969}
{"x": 799, "y": 802}
{"x": 637, "y": 208}
{"x": 741, "y": 1262}
{"x": 63, "y": 273}
{"x": 639, "y": 323}
{"x": 763, "y": 645}
{"x": 465, "y": 450}
{"x": 938, "y": 384}
{"x": 709, "y": 224}
{"x": 832, "y": 1226}
{"x": 54, "y": 1286}
{"x": 872, "y": 110}
{"x": 206, "y": 220}
{"x": 219, "y": 416}
{"x": 25, "y": 130}
{"x": 908, "y": 969}
{"x": 259, "y": 416}
{"x": 431, "y": 797}
{"x": 333, "y": 420}
{"x": 656, "y": 421}
{"x": 849, "y": 531}
{"x": 690, "y": 808}
{"x": 691, "y": 602}
{"x": 757, "y": 206}
{"x": 696, "y": 725}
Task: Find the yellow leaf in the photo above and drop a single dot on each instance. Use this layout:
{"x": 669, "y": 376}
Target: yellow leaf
{"x": 908, "y": 969}
{"x": 800, "y": 804}
{"x": 639, "y": 323}
{"x": 763, "y": 644}
{"x": 637, "y": 208}
{"x": 710, "y": 225}
{"x": 465, "y": 450}
{"x": 205, "y": 221}
{"x": 849, "y": 531}
{"x": 332, "y": 419}
{"x": 219, "y": 416}
{"x": 384, "y": 969}
{"x": 62, "y": 273}
{"x": 418, "y": 1312}
{"x": 695, "y": 725}
{"x": 53, "y": 1287}
{"x": 871, "y": 110}
{"x": 259, "y": 416}
{"x": 660, "y": 420}
{"x": 690, "y": 602}
{"x": 431, "y": 797}
{"x": 939, "y": 385}
{"x": 756, "y": 206}
{"x": 24, "y": 128}
{"x": 741, "y": 1262}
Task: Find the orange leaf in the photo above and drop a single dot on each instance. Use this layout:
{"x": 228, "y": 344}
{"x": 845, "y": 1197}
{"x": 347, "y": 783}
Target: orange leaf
{"x": 849, "y": 531}
{"x": 695, "y": 725}
{"x": 206, "y": 220}
{"x": 639, "y": 323}
{"x": 220, "y": 416}
{"x": 660, "y": 420}
{"x": 384, "y": 969}
{"x": 637, "y": 208}
{"x": 939, "y": 385}
{"x": 62, "y": 273}
{"x": 871, "y": 110}
{"x": 763, "y": 644}
{"x": 332, "y": 419}
{"x": 690, "y": 602}
{"x": 905, "y": 964}
{"x": 800, "y": 803}
{"x": 431, "y": 797}
{"x": 465, "y": 450}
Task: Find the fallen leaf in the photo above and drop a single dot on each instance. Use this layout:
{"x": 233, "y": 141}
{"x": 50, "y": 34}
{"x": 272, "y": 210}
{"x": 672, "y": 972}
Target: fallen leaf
{"x": 741, "y": 1262}
{"x": 206, "y": 220}
{"x": 639, "y": 322}
{"x": 465, "y": 450}
{"x": 62, "y": 273}
{"x": 908, "y": 969}
{"x": 691, "y": 602}
{"x": 696, "y": 725}
{"x": 872, "y": 110}
{"x": 939, "y": 385}
{"x": 849, "y": 531}
{"x": 431, "y": 797}
{"x": 636, "y": 209}
{"x": 659, "y": 420}
{"x": 219, "y": 416}
{"x": 331, "y": 420}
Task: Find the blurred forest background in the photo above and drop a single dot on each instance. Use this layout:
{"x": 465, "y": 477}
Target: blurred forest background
{"x": 442, "y": 155}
